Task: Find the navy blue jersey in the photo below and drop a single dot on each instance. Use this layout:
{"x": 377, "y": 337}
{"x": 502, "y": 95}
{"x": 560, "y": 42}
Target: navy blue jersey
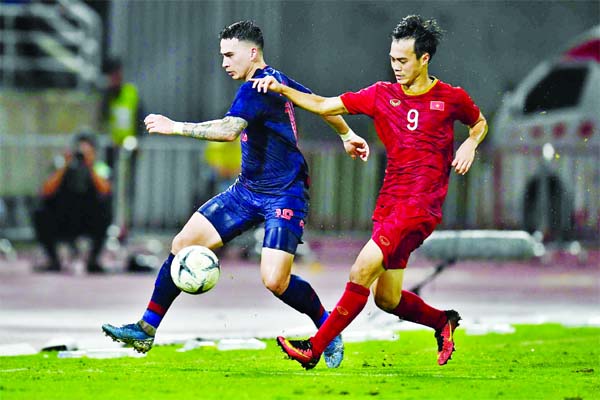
{"x": 271, "y": 160}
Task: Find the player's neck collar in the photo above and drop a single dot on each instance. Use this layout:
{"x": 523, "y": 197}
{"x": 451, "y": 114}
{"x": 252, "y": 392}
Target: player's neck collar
{"x": 259, "y": 70}
{"x": 423, "y": 91}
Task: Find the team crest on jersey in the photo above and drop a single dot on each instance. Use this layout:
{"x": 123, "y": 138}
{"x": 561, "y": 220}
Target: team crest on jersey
{"x": 436, "y": 105}
{"x": 244, "y": 136}
{"x": 395, "y": 102}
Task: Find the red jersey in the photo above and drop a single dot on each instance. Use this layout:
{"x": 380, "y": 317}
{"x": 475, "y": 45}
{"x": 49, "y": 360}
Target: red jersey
{"x": 417, "y": 131}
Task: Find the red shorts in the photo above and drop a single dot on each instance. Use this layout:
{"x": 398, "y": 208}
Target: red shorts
{"x": 398, "y": 230}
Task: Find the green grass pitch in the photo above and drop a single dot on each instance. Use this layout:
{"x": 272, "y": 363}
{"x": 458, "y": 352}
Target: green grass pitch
{"x": 536, "y": 362}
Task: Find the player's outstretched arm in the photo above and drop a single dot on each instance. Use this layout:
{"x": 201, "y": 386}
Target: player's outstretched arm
{"x": 354, "y": 145}
{"x": 311, "y": 102}
{"x": 466, "y": 152}
{"x": 220, "y": 130}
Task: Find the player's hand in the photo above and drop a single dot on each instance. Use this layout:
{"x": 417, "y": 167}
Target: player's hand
{"x": 67, "y": 156}
{"x": 267, "y": 83}
{"x": 156, "y": 123}
{"x": 464, "y": 156}
{"x": 357, "y": 147}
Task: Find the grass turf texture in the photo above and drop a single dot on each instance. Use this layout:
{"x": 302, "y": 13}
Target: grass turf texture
{"x": 536, "y": 362}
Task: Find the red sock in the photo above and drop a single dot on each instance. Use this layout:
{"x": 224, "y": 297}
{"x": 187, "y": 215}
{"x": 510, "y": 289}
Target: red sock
{"x": 350, "y": 305}
{"x": 412, "y": 308}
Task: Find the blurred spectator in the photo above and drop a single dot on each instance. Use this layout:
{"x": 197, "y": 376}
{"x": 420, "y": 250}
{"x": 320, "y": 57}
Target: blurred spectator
{"x": 545, "y": 207}
{"x": 224, "y": 159}
{"x": 122, "y": 121}
{"x": 75, "y": 202}
{"x": 121, "y": 104}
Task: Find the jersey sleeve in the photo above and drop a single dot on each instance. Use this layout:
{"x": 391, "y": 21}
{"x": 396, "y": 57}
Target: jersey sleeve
{"x": 361, "y": 102}
{"x": 248, "y": 104}
{"x": 467, "y": 111}
{"x": 295, "y": 85}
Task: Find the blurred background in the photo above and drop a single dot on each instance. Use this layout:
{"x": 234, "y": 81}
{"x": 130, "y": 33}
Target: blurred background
{"x": 71, "y": 66}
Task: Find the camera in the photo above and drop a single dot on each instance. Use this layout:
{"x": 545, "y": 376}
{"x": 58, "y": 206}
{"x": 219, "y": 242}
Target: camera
{"x": 77, "y": 160}
{"x": 77, "y": 179}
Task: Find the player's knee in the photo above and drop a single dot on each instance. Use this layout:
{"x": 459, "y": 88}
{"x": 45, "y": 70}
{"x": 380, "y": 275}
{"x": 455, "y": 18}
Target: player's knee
{"x": 275, "y": 285}
{"x": 363, "y": 274}
{"x": 179, "y": 242}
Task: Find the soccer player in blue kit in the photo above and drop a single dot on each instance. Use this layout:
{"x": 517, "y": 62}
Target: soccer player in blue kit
{"x": 271, "y": 188}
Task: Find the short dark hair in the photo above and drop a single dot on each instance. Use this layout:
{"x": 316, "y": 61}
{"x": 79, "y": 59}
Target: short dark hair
{"x": 427, "y": 34}
{"x": 244, "y": 30}
{"x": 112, "y": 64}
{"x": 86, "y": 137}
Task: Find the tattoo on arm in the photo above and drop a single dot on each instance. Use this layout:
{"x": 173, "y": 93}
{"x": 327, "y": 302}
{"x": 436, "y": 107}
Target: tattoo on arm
{"x": 219, "y": 130}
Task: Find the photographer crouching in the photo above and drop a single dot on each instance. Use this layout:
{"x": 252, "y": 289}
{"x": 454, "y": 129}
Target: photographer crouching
{"x": 76, "y": 201}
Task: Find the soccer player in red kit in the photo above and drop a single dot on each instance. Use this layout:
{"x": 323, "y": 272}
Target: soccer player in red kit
{"x": 414, "y": 118}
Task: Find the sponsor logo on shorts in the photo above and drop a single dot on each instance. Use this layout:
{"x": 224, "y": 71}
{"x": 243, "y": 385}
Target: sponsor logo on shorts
{"x": 341, "y": 310}
{"x": 384, "y": 240}
{"x": 395, "y": 102}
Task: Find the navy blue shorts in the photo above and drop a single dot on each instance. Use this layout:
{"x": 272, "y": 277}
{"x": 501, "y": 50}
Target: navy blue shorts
{"x": 238, "y": 209}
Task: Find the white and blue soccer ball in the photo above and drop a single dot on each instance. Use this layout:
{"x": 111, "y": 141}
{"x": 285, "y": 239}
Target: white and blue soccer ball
{"x": 195, "y": 269}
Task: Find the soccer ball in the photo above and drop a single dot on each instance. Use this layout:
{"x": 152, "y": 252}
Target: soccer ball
{"x": 195, "y": 269}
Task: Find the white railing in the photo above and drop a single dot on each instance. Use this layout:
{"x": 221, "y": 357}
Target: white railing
{"x": 171, "y": 179}
{"x": 64, "y": 36}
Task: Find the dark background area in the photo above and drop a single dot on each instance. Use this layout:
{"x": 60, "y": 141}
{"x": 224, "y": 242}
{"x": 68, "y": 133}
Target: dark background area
{"x": 171, "y": 51}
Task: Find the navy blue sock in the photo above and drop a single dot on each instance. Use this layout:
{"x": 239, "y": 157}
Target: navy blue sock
{"x": 322, "y": 319}
{"x": 165, "y": 292}
{"x": 302, "y": 297}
